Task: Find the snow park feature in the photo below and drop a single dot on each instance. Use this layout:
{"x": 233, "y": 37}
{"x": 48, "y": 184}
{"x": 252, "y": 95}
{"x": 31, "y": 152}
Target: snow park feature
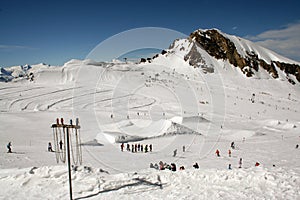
{"x": 190, "y": 95}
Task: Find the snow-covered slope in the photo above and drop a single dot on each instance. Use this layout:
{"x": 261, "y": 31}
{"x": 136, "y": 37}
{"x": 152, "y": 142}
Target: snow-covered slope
{"x": 186, "y": 103}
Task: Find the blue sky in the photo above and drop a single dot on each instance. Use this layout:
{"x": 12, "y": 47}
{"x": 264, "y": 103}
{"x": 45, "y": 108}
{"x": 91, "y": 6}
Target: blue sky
{"x": 54, "y": 32}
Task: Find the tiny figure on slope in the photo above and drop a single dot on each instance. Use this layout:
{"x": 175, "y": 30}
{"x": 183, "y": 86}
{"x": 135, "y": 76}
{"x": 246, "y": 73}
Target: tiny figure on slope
{"x": 218, "y": 152}
{"x": 161, "y": 165}
{"x": 122, "y": 147}
{"x": 173, "y": 167}
{"x": 229, "y": 167}
{"x": 181, "y": 168}
{"x": 240, "y": 163}
{"x": 297, "y": 146}
{"x": 232, "y": 145}
{"x": 9, "y": 147}
{"x": 196, "y": 166}
{"x": 229, "y": 153}
{"x": 257, "y": 164}
{"x": 174, "y": 152}
{"x": 60, "y": 144}
{"x": 183, "y": 148}
{"x": 128, "y": 147}
{"x": 50, "y": 147}
{"x": 150, "y": 147}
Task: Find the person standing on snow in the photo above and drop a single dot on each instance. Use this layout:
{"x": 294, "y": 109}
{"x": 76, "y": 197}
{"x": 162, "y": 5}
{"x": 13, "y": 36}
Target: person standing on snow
{"x": 240, "y": 163}
{"x": 50, "y": 147}
{"x": 60, "y": 144}
{"x": 229, "y": 153}
{"x": 9, "y": 147}
{"x": 122, "y": 147}
{"x": 218, "y": 152}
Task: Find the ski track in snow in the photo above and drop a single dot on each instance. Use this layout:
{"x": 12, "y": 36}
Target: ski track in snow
{"x": 265, "y": 131}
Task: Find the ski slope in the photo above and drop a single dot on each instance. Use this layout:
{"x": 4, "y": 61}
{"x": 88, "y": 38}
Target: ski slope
{"x": 165, "y": 103}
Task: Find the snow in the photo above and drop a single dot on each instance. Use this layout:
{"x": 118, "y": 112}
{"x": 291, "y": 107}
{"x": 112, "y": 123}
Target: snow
{"x": 181, "y": 106}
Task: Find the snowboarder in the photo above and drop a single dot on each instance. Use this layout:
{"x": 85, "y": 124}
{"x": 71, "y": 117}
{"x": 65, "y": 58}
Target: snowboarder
{"x": 174, "y": 152}
{"x": 218, "y": 152}
{"x": 229, "y": 153}
{"x": 196, "y": 166}
{"x": 240, "y": 163}
{"x": 50, "y": 147}
{"x": 9, "y": 147}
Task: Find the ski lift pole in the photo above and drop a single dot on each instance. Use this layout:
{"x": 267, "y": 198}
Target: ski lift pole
{"x": 69, "y": 162}
{"x": 67, "y": 127}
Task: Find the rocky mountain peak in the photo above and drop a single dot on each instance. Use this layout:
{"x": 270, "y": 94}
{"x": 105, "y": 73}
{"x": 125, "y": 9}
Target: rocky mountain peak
{"x": 220, "y": 46}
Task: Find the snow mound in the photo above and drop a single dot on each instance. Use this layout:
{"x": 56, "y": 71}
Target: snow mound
{"x": 94, "y": 183}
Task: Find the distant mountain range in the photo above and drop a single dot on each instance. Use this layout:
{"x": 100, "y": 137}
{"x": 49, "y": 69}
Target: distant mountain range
{"x": 207, "y": 50}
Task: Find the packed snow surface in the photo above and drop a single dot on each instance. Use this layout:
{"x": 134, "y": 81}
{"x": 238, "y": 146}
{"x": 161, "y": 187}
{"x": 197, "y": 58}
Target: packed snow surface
{"x": 185, "y": 114}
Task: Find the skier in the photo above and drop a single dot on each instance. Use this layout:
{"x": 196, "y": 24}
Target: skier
{"x": 218, "y": 152}
{"x": 240, "y": 163}
{"x": 146, "y": 148}
{"x": 229, "y": 166}
{"x": 232, "y": 145}
{"x": 174, "y": 152}
{"x": 257, "y": 164}
{"x": 50, "y": 147}
{"x": 9, "y": 147}
{"x": 229, "y": 153}
{"x": 183, "y": 148}
{"x": 150, "y": 147}
{"x": 297, "y": 146}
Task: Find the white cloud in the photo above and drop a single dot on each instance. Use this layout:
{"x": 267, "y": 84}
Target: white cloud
{"x": 285, "y": 41}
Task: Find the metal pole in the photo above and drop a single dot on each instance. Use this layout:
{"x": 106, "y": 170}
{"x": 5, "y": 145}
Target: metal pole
{"x": 69, "y": 163}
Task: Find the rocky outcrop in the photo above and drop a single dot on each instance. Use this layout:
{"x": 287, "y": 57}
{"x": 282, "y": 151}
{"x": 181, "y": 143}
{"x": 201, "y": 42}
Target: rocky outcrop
{"x": 220, "y": 47}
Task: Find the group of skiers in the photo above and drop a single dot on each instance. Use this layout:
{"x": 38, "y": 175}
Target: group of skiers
{"x": 162, "y": 166}
{"x": 134, "y": 148}
{"x": 232, "y": 145}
